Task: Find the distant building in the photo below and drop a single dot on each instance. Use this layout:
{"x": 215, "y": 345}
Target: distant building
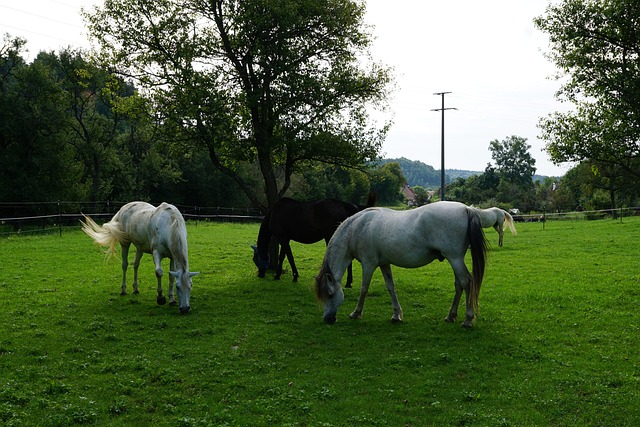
{"x": 409, "y": 194}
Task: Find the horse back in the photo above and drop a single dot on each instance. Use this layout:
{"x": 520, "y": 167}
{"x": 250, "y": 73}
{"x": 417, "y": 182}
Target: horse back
{"x": 408, "y": 238}
{"x": 307, "y": 222}
{"x": 150, "y": 228}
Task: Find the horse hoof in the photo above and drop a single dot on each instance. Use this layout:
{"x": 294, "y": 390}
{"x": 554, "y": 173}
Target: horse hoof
{"x": 466, "y": 325}
{"x": 136, "y": 292}
{"x": 395, "y": 320}
{"x": 173, "y": 303}
{"x": 348, "y": 285}
{"x": 161, "y": 300}
{"x": 355, "y": 316}
{"x": 123, "y": 293}
{"x": 450, "y": 319}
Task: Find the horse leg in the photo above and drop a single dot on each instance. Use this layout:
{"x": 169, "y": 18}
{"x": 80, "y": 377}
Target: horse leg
{"x": 498, "y": 227}
{"x": 349, "y": 275}
{"x": 136, "y": 264}
{"x": 459, "y": 286}
{"x": 172, "y": 280}
{"x": 125, "y": 264}
{"x": 367, "y": 273}
{"x": 292, "y": 263}
{"x": 462, "y": 283}
{"x": 281, "y": 256}
{"x": 388, "y": 280}
{"x": 157, "y": 259}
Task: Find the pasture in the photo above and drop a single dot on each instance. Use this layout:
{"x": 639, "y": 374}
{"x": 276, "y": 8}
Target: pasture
{"x": 556, "y": 342}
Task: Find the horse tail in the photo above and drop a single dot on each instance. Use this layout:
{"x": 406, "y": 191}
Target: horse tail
{"x": 479, "y": 247}
{"x": 508, "y": 219}
{"x": 107, "y": 235}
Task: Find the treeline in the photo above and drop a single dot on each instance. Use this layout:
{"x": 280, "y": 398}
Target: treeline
{"x": 510, "y": 182}
{"x": 70, "y": 130}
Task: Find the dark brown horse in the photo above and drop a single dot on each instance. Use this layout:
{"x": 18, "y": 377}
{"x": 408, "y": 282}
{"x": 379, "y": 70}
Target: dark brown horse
{"x": 303, "y": 222}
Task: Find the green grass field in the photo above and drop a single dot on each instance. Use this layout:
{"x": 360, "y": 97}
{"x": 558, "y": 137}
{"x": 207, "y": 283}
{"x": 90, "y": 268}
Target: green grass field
{"x": 556, "y": 342}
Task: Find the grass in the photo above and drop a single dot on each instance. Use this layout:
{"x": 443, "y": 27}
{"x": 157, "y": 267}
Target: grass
{"x": 556, "y": 341}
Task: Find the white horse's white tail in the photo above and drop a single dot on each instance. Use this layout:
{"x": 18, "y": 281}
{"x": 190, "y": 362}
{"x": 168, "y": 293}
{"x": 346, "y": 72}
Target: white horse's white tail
{"x": 107, "y": 235}
{"x": 508, "y": 219}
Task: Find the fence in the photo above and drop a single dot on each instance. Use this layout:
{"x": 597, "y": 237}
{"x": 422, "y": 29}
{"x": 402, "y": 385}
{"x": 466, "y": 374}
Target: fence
{"x": 52, "y": 217}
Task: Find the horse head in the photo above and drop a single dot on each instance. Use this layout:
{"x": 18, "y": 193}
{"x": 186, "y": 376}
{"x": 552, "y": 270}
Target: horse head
{"x": 329, "y": 292}
{"x": 183, "y": 287}
{"x": 261, "y": 263}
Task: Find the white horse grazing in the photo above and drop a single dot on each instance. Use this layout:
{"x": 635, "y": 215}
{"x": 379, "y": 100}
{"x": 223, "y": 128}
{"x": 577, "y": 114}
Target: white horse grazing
{"x": 158, "y": 231}
{"x": 496, "y": 218}
{"x": 379, "y": 237}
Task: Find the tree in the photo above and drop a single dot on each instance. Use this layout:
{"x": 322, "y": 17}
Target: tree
{"x": 278, "y": 83}
{"x": 386, "y": 182}
{"x": 35, "y": 164}
{"x": 596, "y": 47}
{"x": 513, "y": 160}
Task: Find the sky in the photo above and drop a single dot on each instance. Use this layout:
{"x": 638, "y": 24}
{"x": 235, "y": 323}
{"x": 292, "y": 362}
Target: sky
{"x": 487, "y": 54}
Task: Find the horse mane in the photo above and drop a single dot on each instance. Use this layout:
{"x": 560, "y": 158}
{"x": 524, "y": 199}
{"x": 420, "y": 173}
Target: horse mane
{"x": 322, "y": 291}
{"x": 179, "y": 240}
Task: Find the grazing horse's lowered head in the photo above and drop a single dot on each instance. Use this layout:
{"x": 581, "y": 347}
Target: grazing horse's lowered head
{"x": 262, "y": 262}
{"x": 183, "y": 288}
{"x": 329, "y": 292}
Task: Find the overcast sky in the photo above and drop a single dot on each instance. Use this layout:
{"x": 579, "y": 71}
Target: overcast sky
{"x": 487, "y": 54}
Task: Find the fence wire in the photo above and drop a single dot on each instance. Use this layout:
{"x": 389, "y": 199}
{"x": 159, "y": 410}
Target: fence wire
{"x": 52, "y": 217}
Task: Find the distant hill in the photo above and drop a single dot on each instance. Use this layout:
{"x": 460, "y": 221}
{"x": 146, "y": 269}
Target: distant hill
{"x": 423, "y": 175}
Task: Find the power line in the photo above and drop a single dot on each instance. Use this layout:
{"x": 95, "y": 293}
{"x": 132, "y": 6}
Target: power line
{"x": 40, "y": 16}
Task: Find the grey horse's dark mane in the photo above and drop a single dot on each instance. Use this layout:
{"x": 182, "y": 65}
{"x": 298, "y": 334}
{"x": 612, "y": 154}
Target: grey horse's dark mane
{"x": 322, "y": 290}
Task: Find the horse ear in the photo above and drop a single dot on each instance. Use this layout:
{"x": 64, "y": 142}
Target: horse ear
{"x": 194, "y": 273}
{"x": 255, "y": 248}
{"x": 175, "y": 274}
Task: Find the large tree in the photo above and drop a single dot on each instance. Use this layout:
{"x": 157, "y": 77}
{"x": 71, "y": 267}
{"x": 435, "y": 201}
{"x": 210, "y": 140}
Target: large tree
{"x": 596, "y": 47}
{"x": 513, "y": 160}
{"x": 278, "y": 83}
{"x": 515, "y": 168}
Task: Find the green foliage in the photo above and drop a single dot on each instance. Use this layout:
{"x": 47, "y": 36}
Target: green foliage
{"x": 35, "y": 164}
{"x": 509, "y": 182}
{"x": 551, "y": 345}
{"x": 416, "y": 172}
{"x": 71, "y": 131}
{"x": 386, "y": 182}
{"x": 514, "y": 163}
{"x": 595, "y": 46}
{"x": 273, "y": 83}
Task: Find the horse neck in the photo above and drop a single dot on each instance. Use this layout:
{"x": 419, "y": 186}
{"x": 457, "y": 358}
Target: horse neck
{"x": 338, "y": 256}
{"x": 264, "y": 235}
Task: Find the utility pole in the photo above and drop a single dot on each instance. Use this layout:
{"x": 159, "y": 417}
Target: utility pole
{"x": 442, "y": 94}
